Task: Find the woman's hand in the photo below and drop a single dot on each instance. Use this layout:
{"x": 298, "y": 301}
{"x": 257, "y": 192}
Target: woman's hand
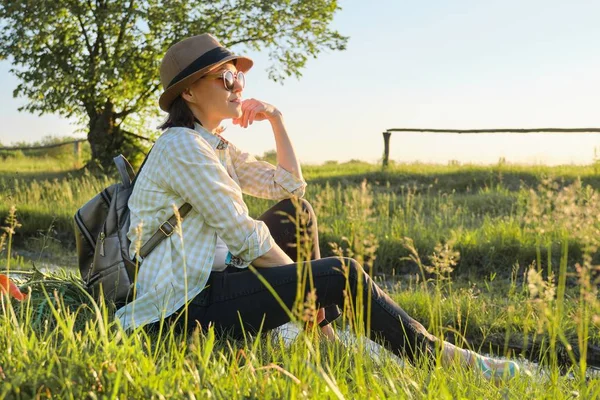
{"x": 275, "y": 257}
{"x": 326, "y": 330}
{"x": 256, "y": 110}
{"x": 329, "y": 333}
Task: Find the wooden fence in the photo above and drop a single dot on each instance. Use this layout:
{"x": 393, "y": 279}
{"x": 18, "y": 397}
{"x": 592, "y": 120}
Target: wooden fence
{"x": 76, "y": 147}
{"x": 76, "y": 143}
{"x": 388, "y": 133}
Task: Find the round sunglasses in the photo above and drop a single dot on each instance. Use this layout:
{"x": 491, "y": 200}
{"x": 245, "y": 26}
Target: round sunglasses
{"x": 229, "y": 78}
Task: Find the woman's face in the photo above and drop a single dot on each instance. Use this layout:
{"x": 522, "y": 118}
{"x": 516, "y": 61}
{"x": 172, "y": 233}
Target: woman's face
{"x": 209, "y": 96}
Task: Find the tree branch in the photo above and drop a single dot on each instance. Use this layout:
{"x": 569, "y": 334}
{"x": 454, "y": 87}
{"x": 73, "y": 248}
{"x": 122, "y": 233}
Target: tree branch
{"x": 84, "y": 33}
{"x": 137, "y": 136}
{"x": 219, "y": 17}
{"x": 64, "y": 66}
{"x": 134, "y": 144}
{"x": 121, "y": 34}
{"x": 261, "y": 37}
{"x": 246, "y": 40}
{"x": 96, "y": 48}
{"x": 134, "y": 108}
{"x": 100, "y": 35}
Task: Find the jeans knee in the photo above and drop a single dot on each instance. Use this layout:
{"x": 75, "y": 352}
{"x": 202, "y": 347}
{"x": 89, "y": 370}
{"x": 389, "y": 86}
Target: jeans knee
{"x": 289, "y": 206}
{"x": 307, "y": 208}
{"x": 351, "y": 265}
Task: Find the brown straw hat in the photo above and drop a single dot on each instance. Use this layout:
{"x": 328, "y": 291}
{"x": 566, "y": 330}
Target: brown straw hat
{"x": 188, "y": 60}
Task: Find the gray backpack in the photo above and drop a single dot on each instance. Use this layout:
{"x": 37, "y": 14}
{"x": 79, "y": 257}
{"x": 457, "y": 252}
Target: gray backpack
{"x": 101, "y": 227}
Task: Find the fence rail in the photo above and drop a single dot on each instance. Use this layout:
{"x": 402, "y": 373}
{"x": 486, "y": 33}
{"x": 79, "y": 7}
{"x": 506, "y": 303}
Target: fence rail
{"x": 75, "y": 143}
{"x": 388, "y": 133}
{"x": 48, "y": 146}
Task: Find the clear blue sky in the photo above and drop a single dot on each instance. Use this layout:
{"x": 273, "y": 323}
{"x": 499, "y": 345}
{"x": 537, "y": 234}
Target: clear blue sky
{"x": 434, "y": 64}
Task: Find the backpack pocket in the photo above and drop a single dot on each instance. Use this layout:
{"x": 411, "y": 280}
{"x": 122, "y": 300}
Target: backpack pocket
{"x": 109, "y": 272}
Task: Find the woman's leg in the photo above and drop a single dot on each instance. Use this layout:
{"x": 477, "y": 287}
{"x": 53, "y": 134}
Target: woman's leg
{"x": 237, "y": 302}
{"x": 281, "y": 219}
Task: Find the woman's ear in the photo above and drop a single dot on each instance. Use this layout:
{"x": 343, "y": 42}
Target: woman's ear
{"x": 187, "y": 95}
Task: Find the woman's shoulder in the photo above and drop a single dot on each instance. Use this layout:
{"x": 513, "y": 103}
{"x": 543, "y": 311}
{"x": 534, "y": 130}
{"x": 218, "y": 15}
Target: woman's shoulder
{"x": 177, "y": 134}
{"x": 167, "y": 148}
{"x": 177, "y": 138}
{"x": 184, "y": 142}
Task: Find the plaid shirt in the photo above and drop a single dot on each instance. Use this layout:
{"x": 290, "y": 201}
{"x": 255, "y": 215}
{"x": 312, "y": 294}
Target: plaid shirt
{"x": 204, "y": 170}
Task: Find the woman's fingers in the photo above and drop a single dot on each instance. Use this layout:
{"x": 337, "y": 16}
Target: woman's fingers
{"x": 245, "y": 105}
{"x": 329, "y": 333}
{"x": 245, "y": 115}
{"x": 238, "y": 120}
{"x": 252, "y": 110}
{"x": 249, "y": 113}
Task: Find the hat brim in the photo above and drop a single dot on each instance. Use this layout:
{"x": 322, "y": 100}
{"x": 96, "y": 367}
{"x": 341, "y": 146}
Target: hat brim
{"x": 242, "y": 64}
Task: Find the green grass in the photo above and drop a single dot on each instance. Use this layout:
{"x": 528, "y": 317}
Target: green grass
{"x": 521, "y": 285}
{"x": 483, "y": 208}
{"x": 61, "y": 345}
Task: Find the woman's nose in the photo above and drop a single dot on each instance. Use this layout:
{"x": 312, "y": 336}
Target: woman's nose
{"x": 237, "y": 86}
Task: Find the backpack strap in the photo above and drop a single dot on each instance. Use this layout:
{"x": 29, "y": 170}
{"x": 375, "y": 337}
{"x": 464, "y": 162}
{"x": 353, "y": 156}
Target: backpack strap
{"x": 141, "y": 166}
{"x": 165, "y": 230}
{"x": 125, "y": 170}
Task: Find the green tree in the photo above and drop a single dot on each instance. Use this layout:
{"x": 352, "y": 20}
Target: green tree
{"x": 98, "y": 60}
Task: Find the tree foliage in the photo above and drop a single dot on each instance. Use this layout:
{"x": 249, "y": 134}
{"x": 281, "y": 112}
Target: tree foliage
{"x": 98, "y": 60}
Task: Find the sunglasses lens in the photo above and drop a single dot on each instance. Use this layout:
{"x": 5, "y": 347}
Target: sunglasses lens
{"x": 228, "y": 80}
{"x": 241, "y": 78}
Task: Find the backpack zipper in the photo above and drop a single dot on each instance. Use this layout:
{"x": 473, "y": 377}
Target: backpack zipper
{"x": 83, "y": 230}
{"x": 102, "y": 237}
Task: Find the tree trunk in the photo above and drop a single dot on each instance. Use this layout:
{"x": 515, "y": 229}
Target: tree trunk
{"x": 105, "y": 137}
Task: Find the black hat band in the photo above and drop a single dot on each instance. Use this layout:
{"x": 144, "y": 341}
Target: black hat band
{"x": 210, "y": 57}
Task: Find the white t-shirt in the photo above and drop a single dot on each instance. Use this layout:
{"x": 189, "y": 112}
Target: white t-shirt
{"x": 220, "y": 255}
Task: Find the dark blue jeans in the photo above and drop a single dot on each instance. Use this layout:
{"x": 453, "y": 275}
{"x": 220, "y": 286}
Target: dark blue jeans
{"x": 236, "y": 300}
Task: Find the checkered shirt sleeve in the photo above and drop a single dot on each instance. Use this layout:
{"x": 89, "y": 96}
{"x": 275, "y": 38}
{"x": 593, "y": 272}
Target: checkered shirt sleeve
{"x": 197, "y": 175}
{"x": 262, "y": 179}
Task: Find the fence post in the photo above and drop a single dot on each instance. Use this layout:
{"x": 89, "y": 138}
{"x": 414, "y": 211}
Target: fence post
{"x": 386, "y": 148}
{"x": 77, "y": 152}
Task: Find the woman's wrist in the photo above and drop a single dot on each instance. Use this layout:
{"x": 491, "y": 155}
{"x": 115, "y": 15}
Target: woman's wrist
{"x": 275, "y": 257}
{"x": 275, "y": 117}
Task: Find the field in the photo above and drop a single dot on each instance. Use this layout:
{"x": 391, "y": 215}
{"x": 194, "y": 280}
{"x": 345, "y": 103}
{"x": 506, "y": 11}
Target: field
{"x": 504, "y": 257}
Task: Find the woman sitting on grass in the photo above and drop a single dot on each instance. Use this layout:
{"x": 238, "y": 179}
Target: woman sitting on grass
{"x": 200, "y": 277}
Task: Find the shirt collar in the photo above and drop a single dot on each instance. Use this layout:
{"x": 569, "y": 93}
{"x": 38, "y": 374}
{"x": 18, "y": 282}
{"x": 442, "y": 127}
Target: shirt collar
{"x": 215, "y": 140}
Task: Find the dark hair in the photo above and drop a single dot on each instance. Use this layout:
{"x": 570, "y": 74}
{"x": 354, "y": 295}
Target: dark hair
{"x": 179, "y": 115}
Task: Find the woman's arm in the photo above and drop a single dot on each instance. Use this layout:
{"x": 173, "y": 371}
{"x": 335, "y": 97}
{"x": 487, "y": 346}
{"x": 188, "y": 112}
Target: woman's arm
{"x": 259, "y": 178}
{"x": 197, "y": 175}
{"x": 286, "y": 157}
{"x": 273, "y": 258}
{"x": 256, "y": 110}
